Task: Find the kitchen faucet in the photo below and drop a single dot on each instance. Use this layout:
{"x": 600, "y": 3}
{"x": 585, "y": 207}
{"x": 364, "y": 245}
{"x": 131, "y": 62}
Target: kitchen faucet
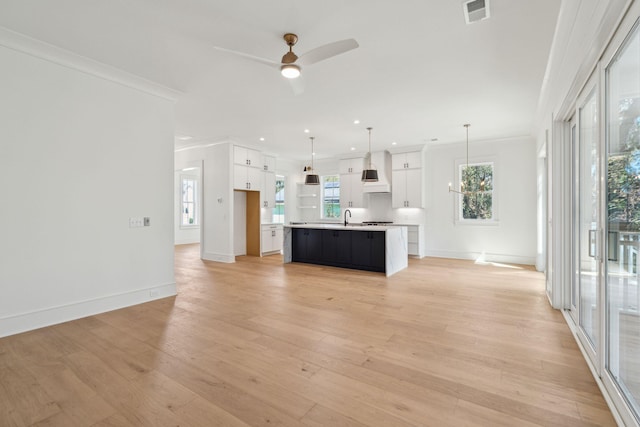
{"x": 345, "y": 216}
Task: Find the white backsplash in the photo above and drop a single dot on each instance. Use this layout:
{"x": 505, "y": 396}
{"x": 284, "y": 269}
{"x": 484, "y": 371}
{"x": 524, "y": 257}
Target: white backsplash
{"x": 379, "y": 207}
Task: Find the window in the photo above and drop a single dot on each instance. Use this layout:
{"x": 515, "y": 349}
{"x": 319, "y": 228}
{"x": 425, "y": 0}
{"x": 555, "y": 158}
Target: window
{"x": 331, "y": 197}
{"x": 278, "y": 210}
{"x": 188, "y": 201}
{"x": 477, "y": 179}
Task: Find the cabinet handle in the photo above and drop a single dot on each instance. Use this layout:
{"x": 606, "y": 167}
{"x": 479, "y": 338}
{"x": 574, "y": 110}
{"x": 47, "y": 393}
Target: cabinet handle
{"x": 273, "y": 233}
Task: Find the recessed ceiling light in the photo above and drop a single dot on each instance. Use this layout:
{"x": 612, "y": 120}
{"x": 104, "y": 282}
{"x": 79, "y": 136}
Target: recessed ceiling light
{"x": 261, "y": 139}
{"x": 313, "y": 154}
{"x": 184, "y": 137}
{"x": 306, "y": 131}
{"x": 394, "y": 143}
{"x": 353, "y": 148}
{"x": 356, "y": 122}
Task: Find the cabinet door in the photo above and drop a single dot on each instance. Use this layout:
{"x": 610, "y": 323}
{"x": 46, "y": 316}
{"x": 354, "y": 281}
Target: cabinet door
{"x": 357, "y": 196}
{"x": 254, "y": 178}
{"x": 239, "y": 155}
{"x": 240, "y": 177}
{"x": 399, "y": 190}
{"x": 345, "y": 166}
{"x": 254, "y": 159}
{"x": 413, "y": 240}
{"x": 413, "y": 159}
{"x": 269, "y": 190}
{"x": 336, "y": 247}
{"x": 267, "y": 241}
{"x": 414, "y": 188}
{"x": 367, "y": 250}
{"x": 398, "y": 161}
{"x": 278, "y": 240}
{"x": 314, "y": 245}
{"x": 298, "y": 244}
{"x": 345, "y": 191}
{"x": 269, "y": 163}
{"x": 351, "y": 165}
{"x": 377, "y": 250}
{"x": 360, "y": 248}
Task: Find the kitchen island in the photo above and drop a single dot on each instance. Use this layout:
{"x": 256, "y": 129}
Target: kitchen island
{"x": 373, "y": 248}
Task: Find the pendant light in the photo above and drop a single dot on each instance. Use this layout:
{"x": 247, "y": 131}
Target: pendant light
{"x": 370, "y": 174}
{"x": 464, "y": 189}
{"x": 311, "y": 178}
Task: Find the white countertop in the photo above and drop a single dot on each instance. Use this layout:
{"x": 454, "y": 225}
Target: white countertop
{"x": 342, "y": 227}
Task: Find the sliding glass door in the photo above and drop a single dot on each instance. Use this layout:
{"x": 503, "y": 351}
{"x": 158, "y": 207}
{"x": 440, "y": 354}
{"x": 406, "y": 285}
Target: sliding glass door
{"x": 586, "y": 253}
{"x": 623, "y": 220}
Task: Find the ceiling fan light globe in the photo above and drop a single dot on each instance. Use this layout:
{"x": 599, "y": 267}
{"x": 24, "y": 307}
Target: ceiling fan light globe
{"x": 290, "y": 71}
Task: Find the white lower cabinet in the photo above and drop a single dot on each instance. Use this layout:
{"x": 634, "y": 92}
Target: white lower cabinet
{"x": 413, "y": 239}
{"x": 272, "y": 238}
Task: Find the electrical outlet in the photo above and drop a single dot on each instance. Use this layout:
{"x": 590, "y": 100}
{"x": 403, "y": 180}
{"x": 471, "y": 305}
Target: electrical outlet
{"x": 135, "y": 222}
{"x": 147, "y": 221}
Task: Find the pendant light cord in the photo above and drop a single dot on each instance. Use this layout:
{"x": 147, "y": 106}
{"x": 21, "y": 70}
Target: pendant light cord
{"x": 369, "y": 129}
{"x": 311, "y": 138}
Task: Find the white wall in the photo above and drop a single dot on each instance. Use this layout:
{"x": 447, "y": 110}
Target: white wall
{"x": 81, "y": 154}
{"x": 513, "y": 237}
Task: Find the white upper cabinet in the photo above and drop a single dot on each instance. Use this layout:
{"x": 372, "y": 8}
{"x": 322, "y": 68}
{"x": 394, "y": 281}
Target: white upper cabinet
{"x": 351, "y": 194}
{"x": 269, "y": 163}
{"x": 269, "y": 190}
{"x": 247, "y": 156}
{"x": 411, "y": 160}
{"x": 247, "y": 169}
{"x": 407, "y": 180}
{"x": 354, "y": 165}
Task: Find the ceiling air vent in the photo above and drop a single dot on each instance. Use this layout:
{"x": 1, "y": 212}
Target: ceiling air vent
{"x": 475, "y": 10}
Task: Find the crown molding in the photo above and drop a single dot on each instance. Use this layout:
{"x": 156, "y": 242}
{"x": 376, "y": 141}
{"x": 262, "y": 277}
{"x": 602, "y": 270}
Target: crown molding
{"x": 24, "y": 44}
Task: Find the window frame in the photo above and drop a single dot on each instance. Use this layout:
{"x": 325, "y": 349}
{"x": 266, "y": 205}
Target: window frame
{"x": 459, "y": 219}
{"x": 282, "y": 178}
{"x": 196, "y": 202}
{"x": 322, "y": 197}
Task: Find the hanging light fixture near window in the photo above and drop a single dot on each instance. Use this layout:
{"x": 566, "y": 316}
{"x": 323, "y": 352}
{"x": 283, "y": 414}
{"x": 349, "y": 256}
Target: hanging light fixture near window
{"x": 370, "y": 174}
{"x": 311, "y": 178}
{"x": 465, "y": 186}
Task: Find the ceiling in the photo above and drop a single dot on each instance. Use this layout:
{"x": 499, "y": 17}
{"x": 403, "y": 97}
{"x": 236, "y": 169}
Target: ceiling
{"x": 419, "y": 74}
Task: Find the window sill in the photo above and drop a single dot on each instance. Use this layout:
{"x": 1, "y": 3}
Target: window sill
{"x": 188, "y": 227}
{"x": 478, "y": 222}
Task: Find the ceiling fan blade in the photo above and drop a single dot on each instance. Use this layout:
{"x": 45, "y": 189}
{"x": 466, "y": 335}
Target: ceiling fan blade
{"x": 327, "y": 51}
{"x": 248, "y": 56}
{"x": 297, "y": 85}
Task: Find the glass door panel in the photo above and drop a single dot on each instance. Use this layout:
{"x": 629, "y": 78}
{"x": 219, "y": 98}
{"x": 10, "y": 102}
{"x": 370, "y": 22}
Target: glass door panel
{"x": 623, "y": 220}
{"x": 586, "y": 226}
{"x": 575, "y": 232}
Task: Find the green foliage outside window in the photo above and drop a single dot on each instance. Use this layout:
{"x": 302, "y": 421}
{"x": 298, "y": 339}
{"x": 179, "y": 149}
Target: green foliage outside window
{"x": 278, "y": 209}
{"x": 623, "y": 177}
{"x": 331, "y": 196}
{"x": 478, "y": 181}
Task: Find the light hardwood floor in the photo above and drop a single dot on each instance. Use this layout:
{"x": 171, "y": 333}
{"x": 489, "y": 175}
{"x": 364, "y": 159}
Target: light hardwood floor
{"x": 442, "y": 343}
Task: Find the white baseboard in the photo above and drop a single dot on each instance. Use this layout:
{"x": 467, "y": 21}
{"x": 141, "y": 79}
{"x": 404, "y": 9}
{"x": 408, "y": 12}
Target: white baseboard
{"x": 489, "y": 257}
{"x": 209, "y": 256}
{"x": 50, "y": 316}
{"x": 186, "y": 241}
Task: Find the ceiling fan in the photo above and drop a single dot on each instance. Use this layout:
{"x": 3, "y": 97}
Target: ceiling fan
{"x": 291, "y": 65}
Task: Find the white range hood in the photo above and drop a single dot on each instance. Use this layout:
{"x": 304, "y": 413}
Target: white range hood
{"x": 380, "y": 160}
